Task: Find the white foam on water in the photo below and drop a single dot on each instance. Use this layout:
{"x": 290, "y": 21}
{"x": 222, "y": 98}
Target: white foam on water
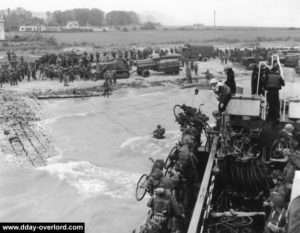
{"x": 91, "y": 180}
{"x": 10, "y": 158}
{"x": 133, "y": 140}
{"x": 54, "y": 119}
{"x": 151, "y": 94}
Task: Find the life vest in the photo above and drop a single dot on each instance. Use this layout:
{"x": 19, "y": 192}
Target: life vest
{"x": 274, "y": 223}
{"x": 161, "y": 209}
{"x": 222, "y": 91}
{"x": 273, "y": 81}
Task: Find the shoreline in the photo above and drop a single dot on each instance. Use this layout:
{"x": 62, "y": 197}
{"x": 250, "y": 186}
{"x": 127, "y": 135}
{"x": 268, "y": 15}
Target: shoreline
{"x": 22, "y": 139}
{"x": 27, "y": 142}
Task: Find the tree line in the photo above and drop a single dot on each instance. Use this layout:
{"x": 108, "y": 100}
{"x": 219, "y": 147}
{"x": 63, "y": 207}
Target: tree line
{"x": 92, "y": 17}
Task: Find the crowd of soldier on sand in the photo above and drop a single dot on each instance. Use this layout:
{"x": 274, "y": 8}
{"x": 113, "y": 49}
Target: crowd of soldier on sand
{"x": 69, "y": 66}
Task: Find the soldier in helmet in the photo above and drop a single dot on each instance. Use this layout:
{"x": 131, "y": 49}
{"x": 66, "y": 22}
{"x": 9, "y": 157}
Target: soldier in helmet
{"x": 159, "y": 132}
{"x": 277, "y": 222}
{"x": 164, "y": 207}
{"x": 230, "y": 79}
{"x": 222, "y": 92}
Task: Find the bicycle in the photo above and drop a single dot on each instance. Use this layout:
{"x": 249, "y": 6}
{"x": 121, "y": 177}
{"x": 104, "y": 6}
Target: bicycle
{"x": 195, "y": 118}
{"x": 232, "y": 225}
{"x": 170, "y": 163}
{"x": 141, "y": 187}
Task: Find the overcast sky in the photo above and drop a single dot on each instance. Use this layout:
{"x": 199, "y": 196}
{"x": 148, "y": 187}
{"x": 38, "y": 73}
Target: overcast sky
{"x": 274, "y": 13}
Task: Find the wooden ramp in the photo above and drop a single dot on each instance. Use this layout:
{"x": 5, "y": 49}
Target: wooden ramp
{"x": 64, "y": 96}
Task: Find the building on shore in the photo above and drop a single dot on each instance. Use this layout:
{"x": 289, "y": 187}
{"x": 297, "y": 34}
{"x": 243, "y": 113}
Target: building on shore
{"x": 32, "y": 28}
{"x": 2, "y": 29}
{"x": 72, "y": 25}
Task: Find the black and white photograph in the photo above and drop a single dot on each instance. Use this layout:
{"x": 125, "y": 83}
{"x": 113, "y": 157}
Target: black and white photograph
{"x": 150, "y": 116}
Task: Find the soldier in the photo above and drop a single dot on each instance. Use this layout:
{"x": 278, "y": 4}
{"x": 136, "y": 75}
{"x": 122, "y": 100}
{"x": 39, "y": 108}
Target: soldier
{"x": 14, "y": 56}
{"x": 196, "y": 69}
{"x": 186, "y": 165}
{"x": 114, "y": 76}
{"x": 188, "y": 73}
{"x": 28, "y": 73}
{"x": 159, "y": 132}
{"x": 66, "y": 79}
{"x": 164, "y": 207}
{"x": 60, "y": 74}
{"x": 208, "y": 76}
{"x": 71, "y": 74}
{"x": 277, "y": 221}
{"x": 273, "y": 84}
{"x": 282, "y": 142}
{"x": 222, "y": 92}
{"x": 254, "y": 81}
{"x": 293, "y": 162}
{"x": 33, "y": 71}
{"x": 2, "y": 77}
{"x": 8, "y": 55}
{"x": 230, "y": 79}
{"x": 106, "y": 87}
{"x": 97, "y": 57}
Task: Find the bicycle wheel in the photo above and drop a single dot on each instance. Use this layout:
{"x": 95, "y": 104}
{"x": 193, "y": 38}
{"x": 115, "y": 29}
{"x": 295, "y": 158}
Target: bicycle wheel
{"x": 168, "y": 160}
{"x": 177, "y": 110}
{"x": 140, "y": 190}
{"x": 209, "y": 137}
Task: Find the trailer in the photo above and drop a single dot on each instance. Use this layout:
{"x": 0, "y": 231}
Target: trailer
{"x": 197, "y": 52}
{"x": 291, "y": 61}
{"x": 168, "y": 65}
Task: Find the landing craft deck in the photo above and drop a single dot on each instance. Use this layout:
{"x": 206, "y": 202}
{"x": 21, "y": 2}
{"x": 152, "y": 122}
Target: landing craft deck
{"x": 207, "y": 213}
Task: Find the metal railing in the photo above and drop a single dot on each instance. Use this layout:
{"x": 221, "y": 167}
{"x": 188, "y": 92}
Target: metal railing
{"x": 201, "y": 208}
{"x": 283, "y": 101}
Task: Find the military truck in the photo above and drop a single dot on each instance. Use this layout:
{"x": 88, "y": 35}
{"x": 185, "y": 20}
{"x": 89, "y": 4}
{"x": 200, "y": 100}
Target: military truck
{"x": 291, "y": 61}
{"x": 297, "y": 68}
{"x": 248, "y": 62}
{"x": 197, "y": 52}
{"x": 119, "y": 66}
{"x": 167, "y": 64}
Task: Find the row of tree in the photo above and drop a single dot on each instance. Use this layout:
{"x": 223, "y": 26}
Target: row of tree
{"x": 19, "y": 17}
{"x": 93, "y": 17}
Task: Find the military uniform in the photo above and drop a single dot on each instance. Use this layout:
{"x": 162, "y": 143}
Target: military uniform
{"x": 164, "y": 207}
{"x": 273, "y": 84}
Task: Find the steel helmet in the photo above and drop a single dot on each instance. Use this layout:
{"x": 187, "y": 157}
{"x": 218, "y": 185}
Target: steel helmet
{"x": 159, "y": 191}
{"x": 227, "y": 68}
{"x": 288, "y": 128}
{"x": 214, "y": 81}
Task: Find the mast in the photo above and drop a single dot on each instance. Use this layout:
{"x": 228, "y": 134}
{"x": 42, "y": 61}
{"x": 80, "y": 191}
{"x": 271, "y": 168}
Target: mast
{"x": 214, "y": 25}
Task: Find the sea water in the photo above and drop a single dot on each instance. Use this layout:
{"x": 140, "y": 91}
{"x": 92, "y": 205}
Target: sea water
{"x": 104, "y": 146}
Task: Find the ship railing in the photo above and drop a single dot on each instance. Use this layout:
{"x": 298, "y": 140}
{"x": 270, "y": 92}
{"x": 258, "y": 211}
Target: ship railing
{"x": 202, "y": 207}
{"x": 283, "y": 101}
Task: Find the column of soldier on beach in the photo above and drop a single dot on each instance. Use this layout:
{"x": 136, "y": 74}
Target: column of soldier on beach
{"x": 69, "y": 66}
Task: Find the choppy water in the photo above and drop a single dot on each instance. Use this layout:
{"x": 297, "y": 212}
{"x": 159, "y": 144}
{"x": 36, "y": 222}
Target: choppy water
{"x": 104, "y": 147}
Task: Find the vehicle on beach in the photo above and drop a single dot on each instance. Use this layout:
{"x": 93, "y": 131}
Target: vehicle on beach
{"x": 167, "y": 64}
{"x": 292, "y": 61}
{"x": 248, "y": 62}
{"x": 119, "y": 67}
{"x": 197, "y": 52}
